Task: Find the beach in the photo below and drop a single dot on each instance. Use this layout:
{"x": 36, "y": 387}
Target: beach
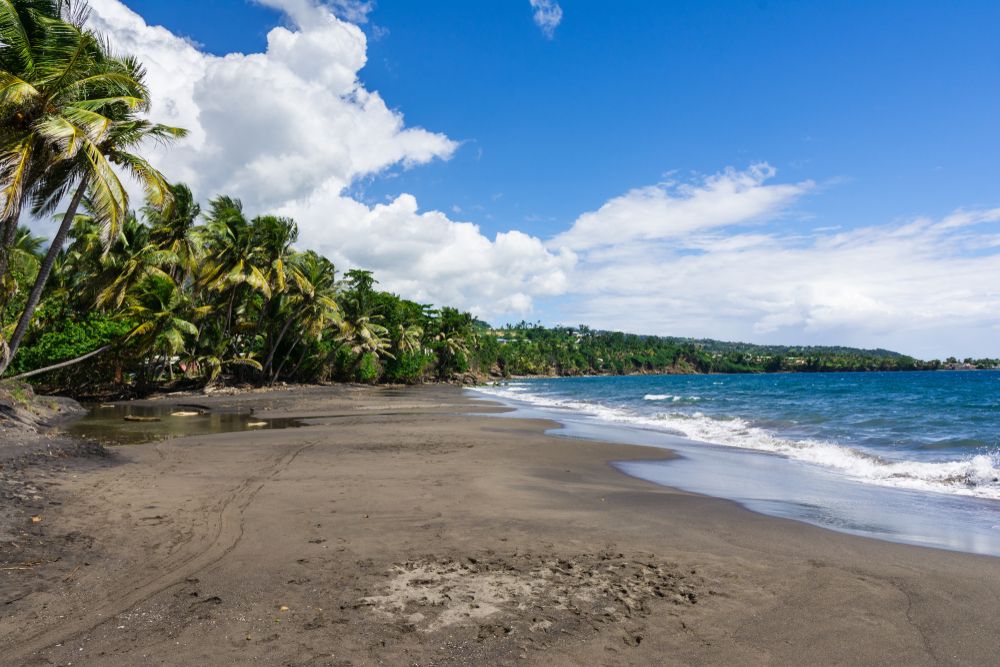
{"x": 413, "y": 526}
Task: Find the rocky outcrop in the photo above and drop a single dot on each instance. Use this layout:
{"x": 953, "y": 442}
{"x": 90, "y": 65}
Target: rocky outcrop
{"x": 21, "y": 409}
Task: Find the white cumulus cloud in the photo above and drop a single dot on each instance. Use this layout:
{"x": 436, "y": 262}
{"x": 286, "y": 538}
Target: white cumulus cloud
{"x": 291, "y": 128}
{"x": 707, "y": 259}
{"x": 271, "y": 126}
{"x": 548, "y": 15}
{"x": 677, "y": 209}
{"x": 431, "y": 258}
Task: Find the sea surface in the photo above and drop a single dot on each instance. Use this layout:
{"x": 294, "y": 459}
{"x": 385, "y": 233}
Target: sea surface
{"x": 911, "y": 457}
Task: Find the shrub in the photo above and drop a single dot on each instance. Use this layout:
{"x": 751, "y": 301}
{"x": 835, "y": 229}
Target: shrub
{"x": 407, "y": 368}
{"x": 369, "y": 369}
{"x": 68, "y": 340}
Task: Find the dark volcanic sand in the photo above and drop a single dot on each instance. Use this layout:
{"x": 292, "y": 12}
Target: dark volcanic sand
{"x": 394, "y": 530}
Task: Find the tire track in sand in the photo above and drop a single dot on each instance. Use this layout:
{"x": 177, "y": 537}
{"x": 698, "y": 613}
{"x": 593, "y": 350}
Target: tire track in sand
{"x": 228, "y": 532}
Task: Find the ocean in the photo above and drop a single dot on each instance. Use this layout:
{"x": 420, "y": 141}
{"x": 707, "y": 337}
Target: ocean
{"x": 912, "y": 457}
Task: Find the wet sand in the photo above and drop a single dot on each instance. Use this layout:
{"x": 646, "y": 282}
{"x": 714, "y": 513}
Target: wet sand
{"x": 396, "y": 529}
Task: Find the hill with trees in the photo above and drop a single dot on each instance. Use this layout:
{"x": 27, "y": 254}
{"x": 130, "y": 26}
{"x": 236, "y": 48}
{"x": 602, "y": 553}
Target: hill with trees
{"x": 531, "y": 349}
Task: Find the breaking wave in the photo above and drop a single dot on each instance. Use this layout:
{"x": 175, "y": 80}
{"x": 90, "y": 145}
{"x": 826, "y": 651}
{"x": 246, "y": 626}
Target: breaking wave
{"x": 974, "y": 475}
{"x": 670, "y": 397}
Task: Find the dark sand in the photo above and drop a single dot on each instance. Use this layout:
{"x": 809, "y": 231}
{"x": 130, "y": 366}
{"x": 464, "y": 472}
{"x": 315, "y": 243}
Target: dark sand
{"x": 394, "y": 530}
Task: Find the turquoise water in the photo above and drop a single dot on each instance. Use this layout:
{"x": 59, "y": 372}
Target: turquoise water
{"x": 913, "y": 457}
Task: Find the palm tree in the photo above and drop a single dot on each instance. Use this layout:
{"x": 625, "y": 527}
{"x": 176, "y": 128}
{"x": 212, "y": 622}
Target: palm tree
{"x": 160, "y": 309}
{"x": 311, "y": 303}
{"x": 235, "y": 260}
{"x": 27, "y": 244}
{"x": 130, "y": 259}
{"x": 362, "y": 336}
{"x": 24, "y": 257}
{"x": 22, "y": 29}
{"x": 450, "y": 346}
{"x": 455, "y": 330}
{"x": 359, "y": 293}
{"x": 75, "y": 274}
{"x": 172, "y": 229}
{"x": 76, "y": 117}
{"x": 57, "y": 83}
{"x": 273, "y": 237}
{"x": 409, "y": 338}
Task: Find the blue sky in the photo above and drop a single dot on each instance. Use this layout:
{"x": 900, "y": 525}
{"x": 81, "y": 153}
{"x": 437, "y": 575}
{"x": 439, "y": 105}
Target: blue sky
{"x": 895, "y": 104}
{"x": 882, "y": 112}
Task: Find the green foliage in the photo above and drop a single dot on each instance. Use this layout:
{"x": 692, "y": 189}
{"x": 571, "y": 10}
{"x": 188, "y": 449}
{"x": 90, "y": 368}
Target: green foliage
{"x": 368, "y": 368}
{"x": 72, "y": 113}
{"x": 69, "y": 340}
{"x": 527, "y": 349}
{"x": 408, "y": 367}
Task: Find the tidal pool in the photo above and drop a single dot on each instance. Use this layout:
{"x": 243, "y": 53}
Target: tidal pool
{"x": 133, "y": 424}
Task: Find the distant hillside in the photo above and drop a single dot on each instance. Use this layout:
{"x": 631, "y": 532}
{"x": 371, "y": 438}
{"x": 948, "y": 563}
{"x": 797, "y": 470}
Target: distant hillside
{"x": 532, "y": 349}
{"x": 725, "y": 347}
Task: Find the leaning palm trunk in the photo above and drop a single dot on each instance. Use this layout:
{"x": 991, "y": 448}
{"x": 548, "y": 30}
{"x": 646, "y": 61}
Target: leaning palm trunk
{"x": 43, "y": 275}
{"x": 288, "y": 355}
{"x": 298, "y": 364}
{"x": 62, "y": 364}
{"x": 281, "y": 336}
{"x": 229, "y": 312}
{"x": 8, "y": 230}
{"x": 277, "y": 371}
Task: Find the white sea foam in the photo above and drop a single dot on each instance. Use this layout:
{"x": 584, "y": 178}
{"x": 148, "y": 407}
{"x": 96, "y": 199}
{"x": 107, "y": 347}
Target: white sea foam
{"x": 670, "y": 397}
{"x": 977, "y": 475}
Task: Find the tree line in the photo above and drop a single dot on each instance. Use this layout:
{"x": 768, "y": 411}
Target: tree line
{"x": 531, "y": 349}
{"x": 188, "y": 297}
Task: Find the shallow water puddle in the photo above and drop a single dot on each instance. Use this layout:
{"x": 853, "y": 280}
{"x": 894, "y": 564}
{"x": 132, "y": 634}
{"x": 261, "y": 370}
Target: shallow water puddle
{"x": 133, "y": 424}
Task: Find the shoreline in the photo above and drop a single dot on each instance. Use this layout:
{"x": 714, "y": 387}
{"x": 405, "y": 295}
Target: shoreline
{"x": 776, "y": 483}
{"x": 397, "y": 526}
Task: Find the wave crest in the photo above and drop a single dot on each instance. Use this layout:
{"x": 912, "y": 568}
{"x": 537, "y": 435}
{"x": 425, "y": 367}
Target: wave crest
{"x": 977, "y": 475}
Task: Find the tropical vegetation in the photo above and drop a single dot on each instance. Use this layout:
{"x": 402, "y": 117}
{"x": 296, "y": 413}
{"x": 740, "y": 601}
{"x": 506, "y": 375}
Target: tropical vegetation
{"x": 71, "y": 117}
{"x": 531, "y": 349}
{"x": 173, "y": 295}
{"x": 180, "y": 296}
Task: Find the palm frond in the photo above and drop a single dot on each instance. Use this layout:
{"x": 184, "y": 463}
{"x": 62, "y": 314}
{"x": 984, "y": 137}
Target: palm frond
{"x": 16, "y": 91}
{"x": 109, "y": 196}
{"x": 14, "y": 180}
{"x": 59, "y": 131}
{"x": 158, "y": 192}
{"x": 68, "y": 51}
{"x": 93, "y": 124}
{"x": 245, "y": 361}
{"x": 14, "y": 36}
{"x": 140, "y": 330}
